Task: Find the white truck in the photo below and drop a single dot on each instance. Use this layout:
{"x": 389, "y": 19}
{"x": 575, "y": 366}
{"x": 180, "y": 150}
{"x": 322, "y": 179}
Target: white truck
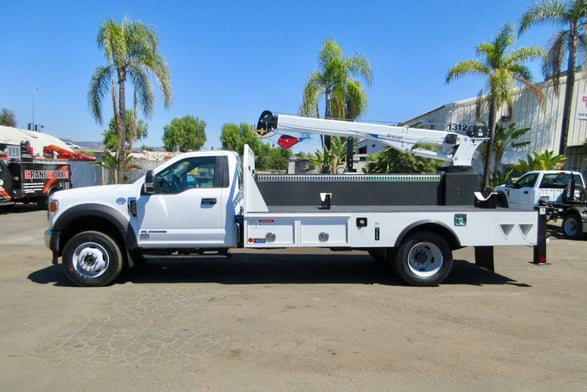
{"x": 547, "y": 187}
{"x": 205, "y": 203}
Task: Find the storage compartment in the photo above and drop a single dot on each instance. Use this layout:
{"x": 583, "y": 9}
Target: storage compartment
{"x": 272, "y": 232}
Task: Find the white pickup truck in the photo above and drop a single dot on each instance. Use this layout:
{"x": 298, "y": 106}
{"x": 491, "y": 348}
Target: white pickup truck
{"x": 205, "y": 203}
{"x": 534, "y": 187}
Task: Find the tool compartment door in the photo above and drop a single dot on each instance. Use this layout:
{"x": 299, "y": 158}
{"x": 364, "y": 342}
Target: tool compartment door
{"x": 264, "y": 231}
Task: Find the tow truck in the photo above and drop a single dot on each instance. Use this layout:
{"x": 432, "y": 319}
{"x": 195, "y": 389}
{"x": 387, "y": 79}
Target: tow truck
{"x": 24, "y": 179}
{"x": 207, "y": 202}
{"x": 573, "y": 209}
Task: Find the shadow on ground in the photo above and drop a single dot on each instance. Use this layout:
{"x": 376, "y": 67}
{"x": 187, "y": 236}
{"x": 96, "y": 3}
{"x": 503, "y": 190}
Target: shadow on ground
{"x": 263, "y": 268}
{"x": 18, "y": 208}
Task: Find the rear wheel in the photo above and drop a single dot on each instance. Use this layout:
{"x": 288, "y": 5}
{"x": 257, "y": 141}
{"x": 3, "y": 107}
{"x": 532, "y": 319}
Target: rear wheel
{"x": 424, "y": 259}
{"x": 92, "y": 258}
{"x": 572, "y": 226}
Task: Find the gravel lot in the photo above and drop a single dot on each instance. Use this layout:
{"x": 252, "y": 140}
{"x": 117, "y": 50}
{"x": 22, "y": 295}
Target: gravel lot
{"x": 291, "y": 321}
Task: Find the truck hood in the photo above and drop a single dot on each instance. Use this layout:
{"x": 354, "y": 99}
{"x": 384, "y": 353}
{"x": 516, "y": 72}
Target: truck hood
{"x": 98, "y": 191}
{"x": 114, "y": 197}
{"x": 111, "y": 196}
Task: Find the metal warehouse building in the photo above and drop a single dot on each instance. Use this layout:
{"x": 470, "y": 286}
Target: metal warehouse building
{"x": 543, "y": 120}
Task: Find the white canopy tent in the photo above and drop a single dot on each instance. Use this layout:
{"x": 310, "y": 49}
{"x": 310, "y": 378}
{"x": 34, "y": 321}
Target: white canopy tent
{"x": 37, "y": 140}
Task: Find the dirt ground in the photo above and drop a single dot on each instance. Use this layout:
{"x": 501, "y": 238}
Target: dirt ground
{"x": 291, "y": 321}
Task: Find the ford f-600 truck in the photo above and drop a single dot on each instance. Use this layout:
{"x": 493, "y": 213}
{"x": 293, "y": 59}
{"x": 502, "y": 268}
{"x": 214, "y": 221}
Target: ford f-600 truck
{"x": 207, "y": 202}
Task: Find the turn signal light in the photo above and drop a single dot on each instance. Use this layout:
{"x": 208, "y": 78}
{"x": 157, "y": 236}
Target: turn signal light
{"x": 53, "y": 206}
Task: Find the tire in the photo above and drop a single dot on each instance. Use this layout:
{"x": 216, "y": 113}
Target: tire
{"x": 43, "y": 202}
{"x": 92, "y": 258}
{"x": 378, "y": 254}
{"x": 391, "y": 258}
{"x": 424, "y": 259}
{"x": 572, "y": 226}
{"x": 502, "y": 200}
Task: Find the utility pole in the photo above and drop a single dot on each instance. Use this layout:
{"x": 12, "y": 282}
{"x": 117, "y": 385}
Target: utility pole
{"x": 34, "y": 93}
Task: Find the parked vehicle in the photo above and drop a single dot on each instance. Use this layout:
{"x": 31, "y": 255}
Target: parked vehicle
{"x": 573, "y": 211}
{"x": 574, "y": 224}
{"x": 27, "y": 180}
{"x": 546, "y": 187}
{"x": 205, "y": 203}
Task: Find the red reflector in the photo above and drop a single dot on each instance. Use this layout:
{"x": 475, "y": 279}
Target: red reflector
{"x": 286, "y": 141}
{"x": 266, "y": 221}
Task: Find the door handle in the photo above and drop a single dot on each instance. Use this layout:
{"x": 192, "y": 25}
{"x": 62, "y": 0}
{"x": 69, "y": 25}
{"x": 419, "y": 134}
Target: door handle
{"x": 208, "y": 201}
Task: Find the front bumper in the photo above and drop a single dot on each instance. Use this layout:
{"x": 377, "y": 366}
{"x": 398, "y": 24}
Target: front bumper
{"x": 51, "y": 238}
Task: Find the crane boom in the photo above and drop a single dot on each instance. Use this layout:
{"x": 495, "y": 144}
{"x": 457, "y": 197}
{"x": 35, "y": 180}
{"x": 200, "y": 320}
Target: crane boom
{"x": 455, "y": 148}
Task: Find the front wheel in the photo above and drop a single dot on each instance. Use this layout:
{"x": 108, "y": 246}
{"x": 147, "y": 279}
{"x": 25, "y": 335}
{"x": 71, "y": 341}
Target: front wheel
{"x": 424, "y": 259}
{"x": 92, "y": 258}
{"x": 572, "y": 227}
{"x": 502, "y": 200}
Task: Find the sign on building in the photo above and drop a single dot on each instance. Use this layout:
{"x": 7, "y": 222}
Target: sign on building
{"x": 582, "y": 107}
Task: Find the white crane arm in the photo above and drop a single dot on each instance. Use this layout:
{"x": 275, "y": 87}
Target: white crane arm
{"x": 455, "y": 148}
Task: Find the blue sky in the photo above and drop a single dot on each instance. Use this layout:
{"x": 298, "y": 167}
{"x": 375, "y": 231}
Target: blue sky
{"x": 230, "y": 60}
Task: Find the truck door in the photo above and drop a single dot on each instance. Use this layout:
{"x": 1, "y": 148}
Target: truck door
{"x": 189, "y": 206}
{"x": 522, "y": 193}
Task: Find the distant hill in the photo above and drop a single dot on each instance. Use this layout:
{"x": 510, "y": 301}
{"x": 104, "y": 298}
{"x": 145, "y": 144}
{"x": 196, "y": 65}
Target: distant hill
{"x": 99, "y": 146}
{"x": 93, "y": 146}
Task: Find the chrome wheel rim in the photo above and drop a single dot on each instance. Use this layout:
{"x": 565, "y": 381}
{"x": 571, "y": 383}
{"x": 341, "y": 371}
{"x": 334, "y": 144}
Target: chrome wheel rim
{"x": 425, "y": 259}
{"x": 90, "y": 259}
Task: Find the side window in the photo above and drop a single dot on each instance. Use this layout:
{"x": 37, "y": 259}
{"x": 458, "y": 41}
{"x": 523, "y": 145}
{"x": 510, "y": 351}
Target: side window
{"x": 189, "y": 173}
{"x": 556, "y": 180}
{"x": 526, "y": 181}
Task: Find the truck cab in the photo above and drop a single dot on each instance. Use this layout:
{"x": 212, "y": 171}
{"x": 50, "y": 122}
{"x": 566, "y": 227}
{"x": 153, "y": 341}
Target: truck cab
{"x": 191, "y": 202}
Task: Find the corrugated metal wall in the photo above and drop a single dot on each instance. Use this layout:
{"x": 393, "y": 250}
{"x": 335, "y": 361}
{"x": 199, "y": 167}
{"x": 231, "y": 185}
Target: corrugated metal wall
{"x": 543, "y": 120}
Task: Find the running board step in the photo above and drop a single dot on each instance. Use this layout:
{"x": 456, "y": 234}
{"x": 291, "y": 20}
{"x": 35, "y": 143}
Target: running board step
{"x": 216, "y": 255}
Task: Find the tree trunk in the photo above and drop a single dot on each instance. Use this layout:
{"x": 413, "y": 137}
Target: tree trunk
{"x": 326, "y": 139}
{"x": 120, "y": 128}
{"x": 132, "y": 127}
{"x": 492, "y": 125}
{"x": 569, "y": 92}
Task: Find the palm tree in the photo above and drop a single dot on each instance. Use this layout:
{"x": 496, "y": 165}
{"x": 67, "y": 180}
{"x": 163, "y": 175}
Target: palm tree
{"x": 570, "y": 43}
{"x": 506, "y": 138}
{"x": 336, "y": 82}
{"x": 546, "y": 160}
{"x": 330, "y": 158}
{"x": 391, "y": 160}
{"x": 502, "y": 69}
{"x": 131, "y": 52}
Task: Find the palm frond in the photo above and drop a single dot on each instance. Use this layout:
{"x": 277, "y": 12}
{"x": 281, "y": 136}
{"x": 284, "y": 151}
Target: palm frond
{"x": 99, "y": 87}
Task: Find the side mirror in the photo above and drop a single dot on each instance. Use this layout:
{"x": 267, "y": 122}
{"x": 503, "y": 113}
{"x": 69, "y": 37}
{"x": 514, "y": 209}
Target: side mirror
{"x": 149, "y": 186}
{"x": 508, "y": 182}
